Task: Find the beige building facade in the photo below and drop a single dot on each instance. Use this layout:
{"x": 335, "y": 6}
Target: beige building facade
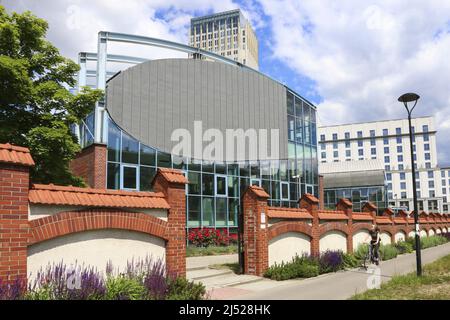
{"x": 228, "y": 34}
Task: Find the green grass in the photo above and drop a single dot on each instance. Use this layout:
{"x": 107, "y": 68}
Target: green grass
{"x": 433, "y": 285}
{"x": 193, "y": 251}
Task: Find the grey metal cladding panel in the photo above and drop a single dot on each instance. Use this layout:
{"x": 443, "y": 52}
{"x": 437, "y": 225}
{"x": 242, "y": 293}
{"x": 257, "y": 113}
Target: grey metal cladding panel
{"x": 174, "y": 93}
{"x": 354, "y": 179}
{"x": 152, "y": 103}
{"x": 160, "y": 106}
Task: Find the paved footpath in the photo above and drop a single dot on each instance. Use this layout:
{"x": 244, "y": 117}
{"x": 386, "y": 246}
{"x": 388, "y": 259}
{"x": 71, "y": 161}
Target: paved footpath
{"x": 335, "y": 286}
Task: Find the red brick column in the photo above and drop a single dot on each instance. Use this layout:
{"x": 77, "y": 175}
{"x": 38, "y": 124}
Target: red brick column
{"x": 256, "y": 246}
{"x": 90, "y": 164}
{"x": 14, "y": 228}
{"x": 347, "y": 206}
{"x": 172, "y": 184}
{"x": 311, "y": 203}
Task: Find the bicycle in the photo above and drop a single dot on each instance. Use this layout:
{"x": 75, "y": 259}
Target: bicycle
{"x": 369, "y": 257}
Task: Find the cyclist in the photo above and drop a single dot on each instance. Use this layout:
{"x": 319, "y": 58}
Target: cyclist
{"x": 374, "y": 235}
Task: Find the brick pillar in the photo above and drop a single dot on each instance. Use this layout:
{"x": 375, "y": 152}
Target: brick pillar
{"x": 321, "y": 193}
{"x": 90, "y": 164}
{"x": 172, "y": 184}
{"x": 14, "y": 228}
{"x": 311, "y": 204}
{"x": 347, "y": 206}
{"x": 256, "y": 246}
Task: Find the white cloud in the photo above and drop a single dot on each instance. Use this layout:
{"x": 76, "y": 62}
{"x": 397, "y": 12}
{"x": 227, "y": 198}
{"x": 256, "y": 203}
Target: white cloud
{"x": 362, "y": 56}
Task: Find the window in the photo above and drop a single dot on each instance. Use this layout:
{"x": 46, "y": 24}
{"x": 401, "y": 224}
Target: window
{"x": 322, "y": 137}
{"x": 324, "y": 155}
{"x": 426, "y": 137}
{"x": 385, "y": 132}
{"x": 372, "y": 133}
{"x": 335, "y": 136}
{"x": 360, "y": 143}
{"x": 360, "y": 152}
{"x": 431, "y": 184}
{"x": 399, "y": 140}
{"x": 444, "y": 182}
{"x": 442, "y": 174}
{"x": 386, "y": 150}
{"x": 403, "y": 195}
{"x": 129, "y": 177}
{"x": 335, "y": 145}
{"x": 401, "y": 167}
{"x": 373, "y": 151}
{"x": 387, "y": 159}
{"x": 322, "y": 146}
{"x": 400, "y": 158}
{"x": 426, "y": 147}
{"x": 386, "y": 141}
{"x": 403, "y": 185}
{"x": 398, "y": 130}
{"x": 347, "y": 135}
{"x": 284, "y": 189}
{"x": 360, "y": 134}
{"x": 427, "y": 156}
{"x": 432, "y": 194}
{"x": 427, "y": 165}
{"x": 389, "y": 176}
{"x": 348, "y": 153}
{"x": 372, "y": 142}
{"x": 425, "y": 128}
{"x": 255, "y": 182}
{"x": 399, "y": 149}
{"x": 430, "y": 174}
{"x": 347, "y": 144}
{"x": 335, "y": 154}
{"x": 221, "y": 186}
{"x": 402, "y": 176}
{"x": 387, "y": 168}
{"x": 418, "y": 184}
{"x": 444, "y": 190}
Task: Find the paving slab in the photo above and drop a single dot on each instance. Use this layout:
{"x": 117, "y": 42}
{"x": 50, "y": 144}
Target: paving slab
{"x": 193, "y": 263}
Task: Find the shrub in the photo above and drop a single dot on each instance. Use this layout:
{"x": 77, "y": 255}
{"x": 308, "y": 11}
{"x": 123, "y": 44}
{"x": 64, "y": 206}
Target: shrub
{"x": 182, "y": 289}
{"x": 404, "y": 247}
{"x": 124, "y": 288}
{"x": 14, "y": 290}
{"x": 388, "y": 252}
{"x": 350, "y": 260}
{"x": 432, "y": 241}
{"x": 361, "y": 252}
{"x": 208, "y": 237}
{"x": 331, "y": 261}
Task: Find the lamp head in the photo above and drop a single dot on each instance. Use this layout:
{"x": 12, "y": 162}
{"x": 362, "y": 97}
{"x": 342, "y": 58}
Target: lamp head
{"x": 409, "y": 97}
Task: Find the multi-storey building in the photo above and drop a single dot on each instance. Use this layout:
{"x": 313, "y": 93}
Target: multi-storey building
{"x": 445, "y": 183}
{"x": 228, "y": 34}
{"x": 388, "y": 141}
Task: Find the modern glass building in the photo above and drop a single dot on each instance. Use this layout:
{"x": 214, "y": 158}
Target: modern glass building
{"x": 145, "y": 104}
{"x": 358, "y": 196}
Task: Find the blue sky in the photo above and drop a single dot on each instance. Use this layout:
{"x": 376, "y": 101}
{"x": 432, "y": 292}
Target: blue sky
{"x": 351, "y": 58}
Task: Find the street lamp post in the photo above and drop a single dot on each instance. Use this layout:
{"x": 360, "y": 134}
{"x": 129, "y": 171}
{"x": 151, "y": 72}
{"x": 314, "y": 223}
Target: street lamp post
{"x": 405, "y": 99}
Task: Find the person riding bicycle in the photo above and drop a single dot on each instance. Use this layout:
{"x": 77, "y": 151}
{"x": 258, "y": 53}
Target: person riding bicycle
{"x": 374, "y": 246}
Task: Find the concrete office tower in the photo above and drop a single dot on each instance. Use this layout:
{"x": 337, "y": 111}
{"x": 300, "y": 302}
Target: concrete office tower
{"x": 388, "y": 141}
{"x": 228, "y": 34}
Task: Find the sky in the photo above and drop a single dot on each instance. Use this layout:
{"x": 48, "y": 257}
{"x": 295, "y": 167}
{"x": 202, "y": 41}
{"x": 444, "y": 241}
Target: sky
{"x": 351, "y": 58}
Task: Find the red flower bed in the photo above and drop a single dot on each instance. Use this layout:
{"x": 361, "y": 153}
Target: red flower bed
{"x": 208, "y": 236}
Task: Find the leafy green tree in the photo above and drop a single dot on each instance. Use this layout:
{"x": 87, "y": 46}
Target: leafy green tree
{"x": 36, "y": 107}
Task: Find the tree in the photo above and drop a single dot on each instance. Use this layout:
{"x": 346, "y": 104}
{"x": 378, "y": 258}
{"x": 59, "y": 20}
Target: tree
{"x": 36, "y": 107}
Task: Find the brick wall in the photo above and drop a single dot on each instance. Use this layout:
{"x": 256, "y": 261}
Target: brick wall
{"x": 14, "y": 227}
{"x": 90, "y": 164}
{"x": 315, "y": 223}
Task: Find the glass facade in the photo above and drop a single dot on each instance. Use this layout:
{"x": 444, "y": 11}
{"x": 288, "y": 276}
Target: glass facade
{"x": 358, "y": 196}
{"x": 213, "y": 195}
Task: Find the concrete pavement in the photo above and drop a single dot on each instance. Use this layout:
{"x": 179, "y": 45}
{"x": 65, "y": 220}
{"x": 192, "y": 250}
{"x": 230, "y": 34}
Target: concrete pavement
{"x": 334, "y": 286}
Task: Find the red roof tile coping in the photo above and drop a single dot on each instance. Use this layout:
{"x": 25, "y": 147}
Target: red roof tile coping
{"x": 371, "y": 206}
{"x": 173, "y": 175}
{"x": 260, "y": 192}
{"x": 74, "y": 196}
{"x": 383, "y": 220}
{"x": 311, "y": 198}
{"x": 362, "y": 216}
{"x": 346, "y": 202}
{"x": 332, "y": 215}
{"x": 288, "y": 213}
{"x": 15, "y": 155}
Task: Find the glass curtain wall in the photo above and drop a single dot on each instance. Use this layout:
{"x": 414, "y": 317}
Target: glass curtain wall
{"x": 358, "y": 196}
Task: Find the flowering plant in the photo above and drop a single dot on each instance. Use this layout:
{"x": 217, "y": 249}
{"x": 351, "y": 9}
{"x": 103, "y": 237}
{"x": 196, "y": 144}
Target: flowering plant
{"x": 207, "y": 236}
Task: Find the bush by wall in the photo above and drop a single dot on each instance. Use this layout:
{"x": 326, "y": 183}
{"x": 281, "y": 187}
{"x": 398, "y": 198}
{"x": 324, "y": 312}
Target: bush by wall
{"x": 143, "y": 280}
{"x": 211, "y": 237}
{"x": 428, "y": 242}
